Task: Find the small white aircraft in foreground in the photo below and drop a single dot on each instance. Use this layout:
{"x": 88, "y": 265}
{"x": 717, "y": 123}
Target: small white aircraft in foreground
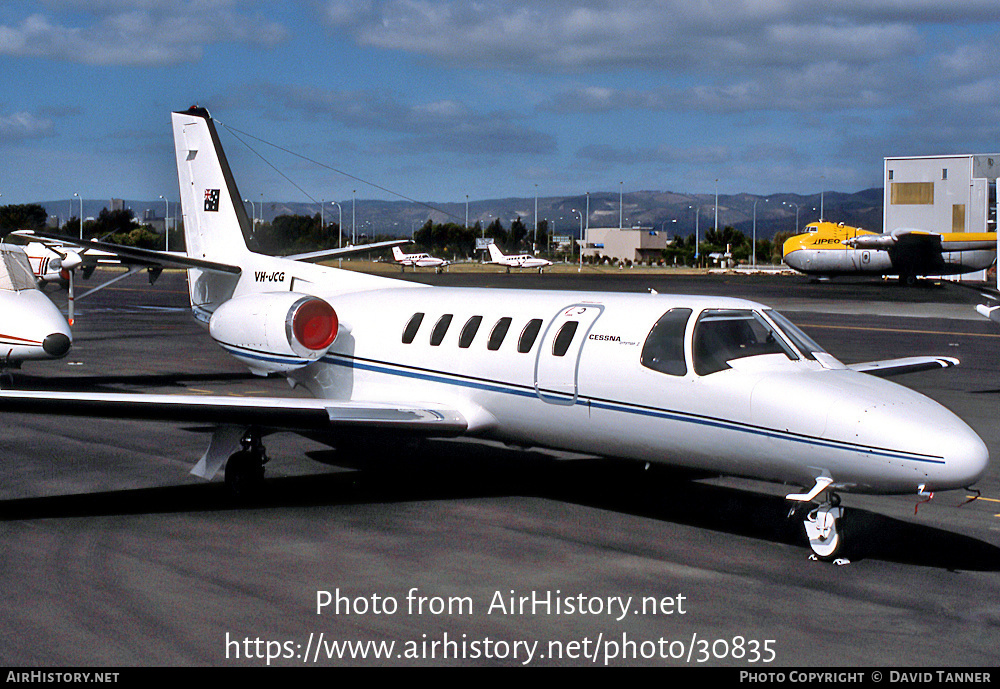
{"x": 718, "y": 385}
{"x": 31, "y": 326}
{"x": 417, "y": 260}
{"x": 518, "y": 261}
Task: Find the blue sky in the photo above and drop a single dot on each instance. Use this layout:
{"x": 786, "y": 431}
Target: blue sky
{"x": 493, "y": 98}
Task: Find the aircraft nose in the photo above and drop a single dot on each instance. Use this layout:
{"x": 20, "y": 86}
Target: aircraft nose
{"x": 795, "y": 259}
{"x": 56, "y": 344}
{"x": 966, "y": 458}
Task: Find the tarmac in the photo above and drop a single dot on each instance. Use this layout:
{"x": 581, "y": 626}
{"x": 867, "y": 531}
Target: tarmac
{"x": 473, "y": 553}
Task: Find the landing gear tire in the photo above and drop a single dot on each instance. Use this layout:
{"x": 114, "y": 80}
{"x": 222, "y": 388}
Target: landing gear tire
{"x": 245, "y": 475}
{"x": 825, "y": 530}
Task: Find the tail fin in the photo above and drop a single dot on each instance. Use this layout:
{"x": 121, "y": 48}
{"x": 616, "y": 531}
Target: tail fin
{"x": 215, "y": 219}
{"x": 397, "y": 254}
{"x": 495, "y": 254}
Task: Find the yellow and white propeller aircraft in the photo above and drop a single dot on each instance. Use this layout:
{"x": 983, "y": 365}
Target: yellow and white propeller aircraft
{"x": 31, "y": 327}
{"x": 829, "y": 249}
{"x": 417, "y": 260}
{"x": 518, "y": 261}
{"x": 718, "y": 385}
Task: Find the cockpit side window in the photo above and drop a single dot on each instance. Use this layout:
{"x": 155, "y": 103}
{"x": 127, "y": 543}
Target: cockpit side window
{"x": 663, "y": 349}
{"x": 723, "y": 335}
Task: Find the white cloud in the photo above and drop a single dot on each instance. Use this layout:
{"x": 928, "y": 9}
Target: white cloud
{"x": 139, "y": 32}
{"x": 24, "y": 125}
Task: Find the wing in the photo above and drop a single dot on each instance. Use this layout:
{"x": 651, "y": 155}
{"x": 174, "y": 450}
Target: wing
{"x": 273, "y": 413}
{"x": 148, "y": 257}
{"x": 234, "y": 415}
{"x": 325, "y": 254}
{"x": 910, "y": 364}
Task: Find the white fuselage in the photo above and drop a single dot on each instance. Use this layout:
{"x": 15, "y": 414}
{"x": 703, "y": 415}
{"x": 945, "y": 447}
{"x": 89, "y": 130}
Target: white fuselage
{"x": 31, "y": 327}
{"x": 771, "y": 417}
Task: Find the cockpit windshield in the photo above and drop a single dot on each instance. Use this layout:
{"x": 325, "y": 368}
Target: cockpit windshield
{"x": 15, "y": 271}
{"x": 724, "y": 335}
{"x": 805, "y": 344}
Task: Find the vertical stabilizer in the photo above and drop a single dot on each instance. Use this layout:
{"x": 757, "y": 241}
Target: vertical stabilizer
{"x": 495, "y": 254}
{"x": 215, "y": 219}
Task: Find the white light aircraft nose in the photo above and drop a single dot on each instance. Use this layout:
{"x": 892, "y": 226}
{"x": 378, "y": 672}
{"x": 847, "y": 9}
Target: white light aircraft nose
{"x": 872, "y": 434}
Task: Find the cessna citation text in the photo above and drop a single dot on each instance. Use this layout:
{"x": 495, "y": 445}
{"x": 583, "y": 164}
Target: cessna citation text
{"x": 826, "y": 249}
{"x": 714, "y": 384}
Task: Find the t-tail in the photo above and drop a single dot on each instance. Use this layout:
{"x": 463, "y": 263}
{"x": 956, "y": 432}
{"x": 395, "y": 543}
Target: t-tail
{"x": 215, "y": 219}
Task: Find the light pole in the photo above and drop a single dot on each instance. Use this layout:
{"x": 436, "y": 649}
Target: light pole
{"x": 166, "y": 226}
{"x": 621, "y": 203}
{"x": 466, "y": 211}
{"x": 81, "y": 214}
{"x": 580, "y": 269}
{"x": 755, "y": 230}
{"x": 789, "y": 203}
{"x": 353, "y": 226}
{"x": 534, "y": 240}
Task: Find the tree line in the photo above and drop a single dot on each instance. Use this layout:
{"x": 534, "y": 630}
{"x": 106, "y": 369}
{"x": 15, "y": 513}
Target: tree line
{"x": 294, "y": 234}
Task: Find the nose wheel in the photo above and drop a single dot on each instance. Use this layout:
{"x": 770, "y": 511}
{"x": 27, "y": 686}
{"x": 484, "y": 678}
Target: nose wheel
{"x": 824, "y": 522}
{"x": 824, "y": 529}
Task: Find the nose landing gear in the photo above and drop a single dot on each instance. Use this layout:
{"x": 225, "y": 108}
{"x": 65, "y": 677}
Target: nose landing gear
{"x": 824, "y": 522}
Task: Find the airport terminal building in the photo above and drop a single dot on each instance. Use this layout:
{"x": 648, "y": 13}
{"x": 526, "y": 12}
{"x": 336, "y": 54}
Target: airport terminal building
{"x": 635, "y": 244}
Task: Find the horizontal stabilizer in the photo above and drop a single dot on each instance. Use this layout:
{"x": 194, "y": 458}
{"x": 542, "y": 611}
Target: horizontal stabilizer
{"x": 910, "y": 364}
{"x": 325, "y": 254}
{"x": 273, "y": 413}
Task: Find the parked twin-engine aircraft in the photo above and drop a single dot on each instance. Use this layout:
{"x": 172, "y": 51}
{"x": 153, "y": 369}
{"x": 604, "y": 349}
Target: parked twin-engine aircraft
{"x": 518, "y": 261}
{"x": 719, "y": 385}
{"x": 52, "y": 259}
{"x": 827, "y": 249}
{"x": 417, "y": 260}
{"x": 31, "y": 326}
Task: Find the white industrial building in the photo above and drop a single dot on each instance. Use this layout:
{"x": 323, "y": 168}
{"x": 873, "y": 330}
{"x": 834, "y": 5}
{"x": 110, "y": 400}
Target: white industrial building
{"x": 954, "y": 193}
{"x": 951, "y": 193}
{"x": 635, "y": 244}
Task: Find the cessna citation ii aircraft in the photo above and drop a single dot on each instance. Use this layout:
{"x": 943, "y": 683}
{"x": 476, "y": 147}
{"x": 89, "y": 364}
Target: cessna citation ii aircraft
{"x": 518, "y": 261}
{"x": 417, "y": 260}
{"x": 827, "y": 249}
{"x": 31, "y": 326}
{"x": 714, "y": 384}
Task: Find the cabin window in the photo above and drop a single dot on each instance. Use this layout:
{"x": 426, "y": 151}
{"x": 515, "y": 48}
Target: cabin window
{"x": 498, "y": 333}
{"x": 440, "y": 328}
{"x": 528, "y": 335}
{"x": 564, "y": 337}
{"x": 469, "y": 331}
{"x": 410, "y": 331}
{"x": 724, "y": 335}
{"x": 663, "y": 349}
{"x": 15, "y": 271}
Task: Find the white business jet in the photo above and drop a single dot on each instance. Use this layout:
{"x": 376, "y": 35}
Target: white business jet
{"x": 31, "y": 327}
{"x": 417, "y": 260}
{"x": 518, "y": 261}
{"x": 722, "y": 385}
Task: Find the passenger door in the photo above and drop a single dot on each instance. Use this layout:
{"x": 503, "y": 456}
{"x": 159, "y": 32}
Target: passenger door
{"x": 558, "y": 357}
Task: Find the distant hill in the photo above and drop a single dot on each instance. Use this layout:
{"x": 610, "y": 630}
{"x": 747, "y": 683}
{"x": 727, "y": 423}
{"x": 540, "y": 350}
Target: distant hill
{"x": 671, "y": 211}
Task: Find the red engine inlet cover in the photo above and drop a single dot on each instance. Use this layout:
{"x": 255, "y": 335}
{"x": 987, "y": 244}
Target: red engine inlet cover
{"x": 315, "y": 324}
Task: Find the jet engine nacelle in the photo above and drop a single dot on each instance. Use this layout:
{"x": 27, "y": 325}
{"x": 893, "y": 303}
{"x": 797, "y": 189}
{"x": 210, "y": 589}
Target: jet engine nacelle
{"x": 275, "y": 331}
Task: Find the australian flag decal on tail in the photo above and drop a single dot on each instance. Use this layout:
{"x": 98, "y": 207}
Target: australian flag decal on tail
{"x": 212, "y": 200}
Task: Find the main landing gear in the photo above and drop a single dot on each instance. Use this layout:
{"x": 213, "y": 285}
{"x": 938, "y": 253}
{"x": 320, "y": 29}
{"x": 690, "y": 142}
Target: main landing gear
{"x": 245, "y": 468}
{"x": 823, "y": 523}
